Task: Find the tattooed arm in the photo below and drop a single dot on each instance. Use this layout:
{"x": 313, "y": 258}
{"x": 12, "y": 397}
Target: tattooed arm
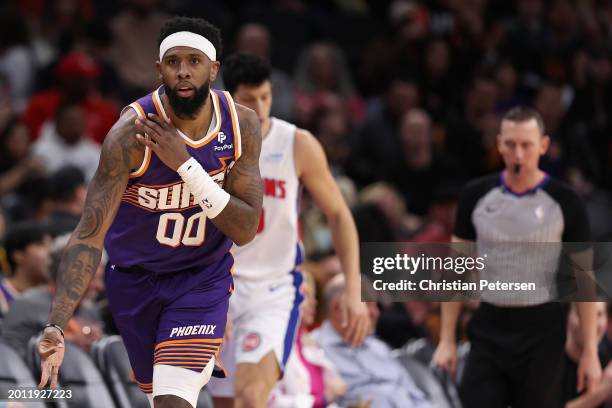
{"x": 82, "y": 254}
{"x": 81, "y": 257}
{"x": 239, "y": 219}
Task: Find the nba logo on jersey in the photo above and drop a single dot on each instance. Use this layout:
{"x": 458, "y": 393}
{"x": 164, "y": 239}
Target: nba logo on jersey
{"x": 221, "y": 137}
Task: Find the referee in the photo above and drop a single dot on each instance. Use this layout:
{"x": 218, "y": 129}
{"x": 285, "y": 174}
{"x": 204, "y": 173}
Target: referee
{"x": 517, "y": 339}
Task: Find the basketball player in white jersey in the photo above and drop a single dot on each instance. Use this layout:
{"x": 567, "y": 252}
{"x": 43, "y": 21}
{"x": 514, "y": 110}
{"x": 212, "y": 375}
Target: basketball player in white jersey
{"x": 264, "y": 307}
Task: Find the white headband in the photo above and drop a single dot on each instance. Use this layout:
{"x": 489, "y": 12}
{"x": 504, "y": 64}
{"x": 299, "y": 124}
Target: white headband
{"x": 188, "y": 39}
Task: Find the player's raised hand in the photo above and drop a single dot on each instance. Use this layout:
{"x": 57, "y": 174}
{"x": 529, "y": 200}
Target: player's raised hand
{"x": 163, "y": 138}
{"x": 355, "y": 319}
{"x": 51, "y": 350}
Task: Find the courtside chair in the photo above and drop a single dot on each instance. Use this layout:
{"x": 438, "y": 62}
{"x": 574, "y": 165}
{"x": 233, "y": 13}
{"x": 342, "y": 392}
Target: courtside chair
{"x": 77, "y": 373}
{"x": 15, "y": 373}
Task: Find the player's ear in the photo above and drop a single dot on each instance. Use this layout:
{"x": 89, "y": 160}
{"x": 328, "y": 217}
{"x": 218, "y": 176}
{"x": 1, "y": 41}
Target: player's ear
{"x": 498, "y": 139}
{"x": 214, "y": 70}
{"x": 18, "y": 256}
{"x": 544, "y": 144}
{"x": 158, "y": 67}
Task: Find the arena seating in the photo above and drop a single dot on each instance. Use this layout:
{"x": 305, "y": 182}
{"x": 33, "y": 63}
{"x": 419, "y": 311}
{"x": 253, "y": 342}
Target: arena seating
{"x": 79, "y": 374}
{"x": 15, "y": 373}
{"x": 415, "y": 356}
{"x": 110, "y": 356}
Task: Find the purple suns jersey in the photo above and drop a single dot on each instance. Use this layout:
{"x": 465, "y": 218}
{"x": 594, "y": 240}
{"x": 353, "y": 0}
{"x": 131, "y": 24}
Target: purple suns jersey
{"x": 159, "y": 226}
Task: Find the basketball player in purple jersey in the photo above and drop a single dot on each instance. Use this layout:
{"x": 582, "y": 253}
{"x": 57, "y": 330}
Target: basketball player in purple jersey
{"x": 178, "y": 181}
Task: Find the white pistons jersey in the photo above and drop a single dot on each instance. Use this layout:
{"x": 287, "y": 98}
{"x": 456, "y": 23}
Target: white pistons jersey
{"x": 276, "y": 250}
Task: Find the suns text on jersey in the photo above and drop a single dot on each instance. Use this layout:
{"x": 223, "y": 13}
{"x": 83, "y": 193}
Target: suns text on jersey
{"x": 173, "y": 197}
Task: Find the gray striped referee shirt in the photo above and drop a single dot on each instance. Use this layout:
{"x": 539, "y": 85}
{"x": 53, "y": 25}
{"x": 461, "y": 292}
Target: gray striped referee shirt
{"x": 521, "y": 234}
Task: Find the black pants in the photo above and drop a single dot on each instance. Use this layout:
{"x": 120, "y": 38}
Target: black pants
{"x": 516, "y": 357}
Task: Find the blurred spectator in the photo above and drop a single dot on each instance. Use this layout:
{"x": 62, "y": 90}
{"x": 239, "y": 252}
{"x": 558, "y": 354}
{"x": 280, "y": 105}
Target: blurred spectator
{"x": 598, "y": 205}
{"x": 315, "y": 233}
{"x": 411, "y": 21}
{"x": 563, "y": 36}
{"x": 322, "y": 70}
{"x": 508, "y": 86}
{"x": 291, "y": 21}
{"x": 67, "y": 193}
{"x": 439, "y": 84}
{"x": 323, "y": 268}
{"x": 420, "y": 171}
{"x": 549, "y": 102}
{"x": 348, "y": 189}
{"x": 401, "y": 322}
{"x": 64, "y": 142}
{"x": 377, "y": 146}
{"x": 135, "y": 49}
{"x": 397, "y": 45}
{"x": 377, "y": 64}
{"x": 591, "y": 104}
{"x": 17, "y": 164}
{"x": 491, "y": 160}
{"x": 569, "y": 142}
{"x": 17, "y": 65}
{"x": 393, "y": 206}
{"x": 573, "y": 350}
{"x": 370, "y": 371}
{"x": 440, "y": 221}
{"x": 332, "y": 129}
{"x": 525, "y": 36}
{"x": 96, "y": 42}
{"x": 470, "y": 37}
{"x": 28, "y": 314}
{"x": 465, "y": 128}
{"x": 76, "y": 74}
{"x": 57, "y": 25}
{"x": 372, "y": 224}
{"x": 27, "y": 247}
{"x": 254, "y": 38}
{"x": 310, "y": 379}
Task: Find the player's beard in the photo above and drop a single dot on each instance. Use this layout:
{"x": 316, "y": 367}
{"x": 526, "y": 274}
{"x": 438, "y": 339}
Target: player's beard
{"x": 188, "y": 108}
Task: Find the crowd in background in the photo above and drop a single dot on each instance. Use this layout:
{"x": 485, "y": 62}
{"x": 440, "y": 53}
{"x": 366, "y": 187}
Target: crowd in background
{"x": 405, "y": 97}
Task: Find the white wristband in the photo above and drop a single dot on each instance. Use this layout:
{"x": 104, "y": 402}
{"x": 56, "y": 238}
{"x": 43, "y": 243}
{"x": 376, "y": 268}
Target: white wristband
{"x": 207, "y": 193}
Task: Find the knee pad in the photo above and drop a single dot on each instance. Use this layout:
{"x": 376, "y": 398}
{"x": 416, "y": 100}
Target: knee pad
{"x": 182, "y": 382}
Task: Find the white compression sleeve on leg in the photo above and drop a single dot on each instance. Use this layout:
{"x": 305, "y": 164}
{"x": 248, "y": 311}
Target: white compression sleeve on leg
{"x": 207, "y": 193}
{"x": 181, "y": 382}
